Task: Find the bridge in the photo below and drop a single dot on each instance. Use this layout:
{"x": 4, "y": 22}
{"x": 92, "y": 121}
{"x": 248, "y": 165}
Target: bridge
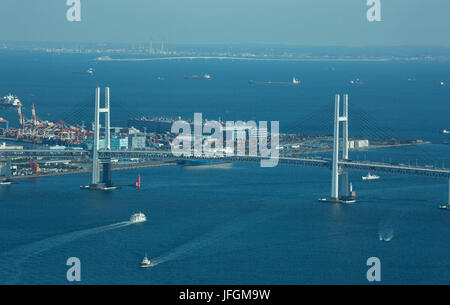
{"x": 340, "y": 164}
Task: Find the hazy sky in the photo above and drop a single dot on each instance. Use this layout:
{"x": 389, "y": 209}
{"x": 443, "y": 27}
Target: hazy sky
{"x": 301, "y": 22}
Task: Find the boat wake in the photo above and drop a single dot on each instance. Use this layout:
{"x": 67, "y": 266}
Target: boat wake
{"x": 208, "y": 239}
{"x": 386, "y": 236}
{"x": 386, "y": 229}
{"x": 11, "y": 260}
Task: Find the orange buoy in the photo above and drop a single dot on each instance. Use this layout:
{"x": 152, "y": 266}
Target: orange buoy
{"x": 138, "y": 182}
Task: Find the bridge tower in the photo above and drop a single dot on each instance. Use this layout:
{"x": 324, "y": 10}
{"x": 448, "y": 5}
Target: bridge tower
{"x": 344, "y": 173}
{"x": 335, "y": 170}
{"x": 106, "y": 181}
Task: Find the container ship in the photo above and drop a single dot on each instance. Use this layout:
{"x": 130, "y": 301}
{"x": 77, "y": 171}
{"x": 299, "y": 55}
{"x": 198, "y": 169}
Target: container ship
{"x": 9, "y": 101}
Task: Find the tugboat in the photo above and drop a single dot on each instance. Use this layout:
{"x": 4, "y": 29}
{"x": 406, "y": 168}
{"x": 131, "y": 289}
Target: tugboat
{"x": 145, "y": 263}
{"x": 295, "y": 81}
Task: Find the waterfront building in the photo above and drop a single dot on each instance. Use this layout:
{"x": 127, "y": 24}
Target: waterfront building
{"x": 137, "y": 142}
{"x": 118, "y": 143}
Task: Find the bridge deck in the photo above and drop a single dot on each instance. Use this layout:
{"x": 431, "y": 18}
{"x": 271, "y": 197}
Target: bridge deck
{"x": 314, "y": 162}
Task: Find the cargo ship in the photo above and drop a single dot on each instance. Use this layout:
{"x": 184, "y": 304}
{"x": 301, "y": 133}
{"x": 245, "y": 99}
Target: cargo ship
{"x": 9, "y": 101}
{"x": 295, "y": 81}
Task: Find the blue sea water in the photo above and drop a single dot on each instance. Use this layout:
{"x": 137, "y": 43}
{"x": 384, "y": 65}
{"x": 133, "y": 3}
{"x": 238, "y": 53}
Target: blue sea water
{"x": 245, "y": 224}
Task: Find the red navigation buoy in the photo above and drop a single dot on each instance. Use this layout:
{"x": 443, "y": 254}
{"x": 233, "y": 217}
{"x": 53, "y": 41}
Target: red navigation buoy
{"x": 138, "y": 183}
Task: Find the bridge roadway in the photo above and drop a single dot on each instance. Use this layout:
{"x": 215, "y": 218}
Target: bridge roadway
{"x": 364, "y": 166}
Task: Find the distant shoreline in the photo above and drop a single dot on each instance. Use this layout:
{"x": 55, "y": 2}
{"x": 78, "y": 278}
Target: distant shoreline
{"x": 135, "y": 59}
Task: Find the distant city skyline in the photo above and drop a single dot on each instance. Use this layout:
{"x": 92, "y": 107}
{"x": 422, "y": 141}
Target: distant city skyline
{"x": 285, "y": 22}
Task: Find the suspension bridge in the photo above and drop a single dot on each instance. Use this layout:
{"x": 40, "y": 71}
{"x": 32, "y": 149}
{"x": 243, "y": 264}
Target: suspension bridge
{"x": 340, "y": 164}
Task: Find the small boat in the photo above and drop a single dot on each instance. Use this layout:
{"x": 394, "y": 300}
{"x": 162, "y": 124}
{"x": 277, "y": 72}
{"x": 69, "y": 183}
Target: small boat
{"x": 356, "y": 81}
{"x": 295, "y": 81}
{"x": 442, "y": 83}
{"x": 145, "y": 263}
{"x": 443, "y": 207}
{"x": 89, "y": 71}
{"x": 445, "y": 131}
{"x": 204, "y": 76}
{"x": 5, "y": 182}
{"x": 370, "y": 177}
{"x": 138, "y": 217}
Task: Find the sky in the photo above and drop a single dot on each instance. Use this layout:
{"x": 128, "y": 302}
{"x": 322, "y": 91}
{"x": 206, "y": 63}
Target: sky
{"x": 293, "y": 22}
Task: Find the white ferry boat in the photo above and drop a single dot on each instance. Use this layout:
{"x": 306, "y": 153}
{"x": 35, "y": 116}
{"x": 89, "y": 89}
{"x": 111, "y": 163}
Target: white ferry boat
{"x": 138, "y": 217}
{"x": 370, "y": 177}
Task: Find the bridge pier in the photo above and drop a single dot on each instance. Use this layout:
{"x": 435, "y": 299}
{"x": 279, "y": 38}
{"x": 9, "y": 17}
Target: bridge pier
{"x": 8, "y": 170}
{"x": 106, "y": 178}
{"x": 448, "y": 203}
